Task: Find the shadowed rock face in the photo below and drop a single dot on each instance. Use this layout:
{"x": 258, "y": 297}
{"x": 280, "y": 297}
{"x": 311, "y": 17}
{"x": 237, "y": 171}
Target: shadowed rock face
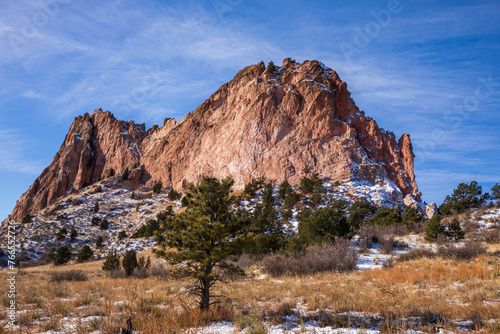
{"x": 259, "y": 124}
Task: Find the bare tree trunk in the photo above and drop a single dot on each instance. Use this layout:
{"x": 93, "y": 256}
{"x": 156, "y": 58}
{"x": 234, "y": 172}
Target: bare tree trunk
{"x": 205, "y": 294}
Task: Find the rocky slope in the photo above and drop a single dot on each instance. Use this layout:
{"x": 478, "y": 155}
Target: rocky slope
{"x": 278, "y": 125}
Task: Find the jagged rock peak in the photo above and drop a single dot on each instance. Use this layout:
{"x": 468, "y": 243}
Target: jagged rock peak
{"x": 275, "y": 124}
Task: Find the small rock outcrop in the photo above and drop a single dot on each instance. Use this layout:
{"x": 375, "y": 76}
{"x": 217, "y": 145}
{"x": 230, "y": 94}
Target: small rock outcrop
{"x": 278, "y": 125}
{"x": 431, "y": 209}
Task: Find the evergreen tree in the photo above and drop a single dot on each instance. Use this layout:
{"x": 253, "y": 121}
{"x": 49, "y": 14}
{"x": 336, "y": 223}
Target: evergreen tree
{"x": 206, "y": 237}
{"x": 85, "y": 254}
{"x": 122, "y": 235}
{"x": 129, "y": 262}
{"x": 386, "y": 217}
{"x": 173, "y": 195}
{"x": 323, "y": 225}
{"x": 112, "y": 262}
{"x": 411, "y": 215}
{"x": 157, "y": 188}
{"x": 99, "y": 241}
{"x": 104, "y": 224}
{"x": 125, "y": 174}
{"x": 495, "y": 192}
{"x": 95, "y": 221}
{"x": 454, "y": 230}
{"x": 464, "y": 197}
{"x": 62, "y": 255}
{"x": 359, "y": 212}
{"x": 141, "y": 263}
{"x": 73, "y": 234}
{"x": 433, "y": 229}
{"x": 27, "y": 218}
{"x": 271, "y": 68}
{"x": 61, "y": 235}
{"x": 96, "y": 207}
{"x": 284, "y": 189}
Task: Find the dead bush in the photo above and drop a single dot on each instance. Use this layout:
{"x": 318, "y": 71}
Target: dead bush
{"x": 328, "y": 257}
{"x": 416, "y": 254}
{"x": 387, "y": 244}
{"x": 464, "y": 252}
{"x": 68, "y": 276}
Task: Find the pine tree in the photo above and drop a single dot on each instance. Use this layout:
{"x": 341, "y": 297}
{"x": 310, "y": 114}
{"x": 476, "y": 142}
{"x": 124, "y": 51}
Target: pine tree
{"x": 85, "y": 254}
{"x": 129, "y": 262}
{"x": 455, "y": 230}
{"x": 206, "y": 236}
{"x": 61, "y": 235}
{"x": 73, "y": 234}
{"x": 112, "y": 262}
{"x": 62, "y": 255}
{"x": 104, "y": 224}
{"x": 125, "y": 174}
{"x": 157, "y": 187}
{"x": 96, "y": 207}
{"x": 271, "y": 68}
{"x": 99, "y": 241}
{"x": 433, "y": 229}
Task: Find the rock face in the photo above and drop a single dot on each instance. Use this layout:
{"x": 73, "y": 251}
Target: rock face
{"x": 431, "y": 209}
{"x": 277, "y": 125}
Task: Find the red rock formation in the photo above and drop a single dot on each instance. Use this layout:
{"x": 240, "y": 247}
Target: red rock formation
{"x": 258, "y": 124}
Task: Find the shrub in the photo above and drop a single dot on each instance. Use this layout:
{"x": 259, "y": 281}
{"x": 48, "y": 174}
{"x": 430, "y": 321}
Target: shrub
{"x": 104, "y": 224}
{"x": 387, "y": 244}
{"x": 416, "y": 254}
{"x": 68, "y": 276}
{"x": 184, "y": 201}
{"x": 337, "y": 257}
{"x": 96, "y": 207}
{"x": 99, "y": 241}
{"x": 62, "y": 255}
{"x": 173, "y": 195}
{"x": 112, "y": 262}
{"x": 129, "y": 262}
{"x": 27, "y": 218}
{"x": 85, "y": 254}
{"x": 157, "y": 188}
{"x": 434, "y": 229}
{"x": 95, "y": 221}
{"x": 122, "y": 235}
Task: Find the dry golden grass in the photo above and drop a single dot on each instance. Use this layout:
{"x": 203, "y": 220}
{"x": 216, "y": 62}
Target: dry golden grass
{"x": 454, "y": 290}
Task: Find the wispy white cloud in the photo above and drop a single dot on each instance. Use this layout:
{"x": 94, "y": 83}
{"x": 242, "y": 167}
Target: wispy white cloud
{"x": 14, "y": 153}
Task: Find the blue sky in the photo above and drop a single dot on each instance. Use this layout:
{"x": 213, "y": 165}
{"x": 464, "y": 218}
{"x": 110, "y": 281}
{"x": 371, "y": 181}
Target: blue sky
{"x": 428, "y": 68}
